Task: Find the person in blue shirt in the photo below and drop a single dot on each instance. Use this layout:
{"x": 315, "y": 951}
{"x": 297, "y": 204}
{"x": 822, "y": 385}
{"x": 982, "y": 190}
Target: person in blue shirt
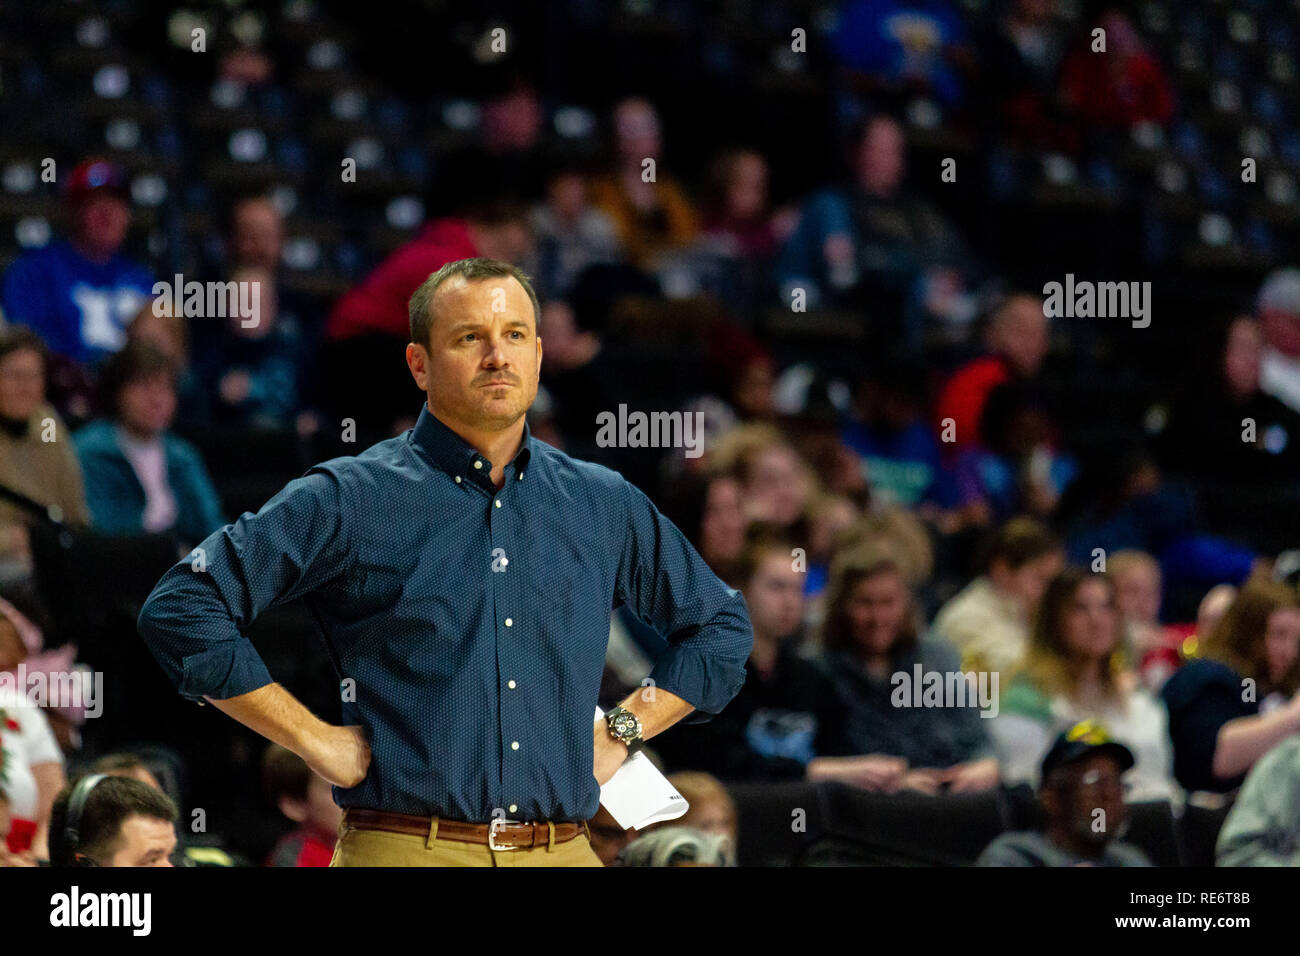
{"x": 463, "y": 574}
{"x": 79, "y": 294}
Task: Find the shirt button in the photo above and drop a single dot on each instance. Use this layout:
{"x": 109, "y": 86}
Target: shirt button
{"x": 458, "y": 479}
{"x": 497, "y": 502}
{"x": 513, "y": 808}
{"x": 514, "y": 745}
{"x": 478, "y": 465}
{"x": 510, "y": 622}
{"x": 510, "y": 684}
{"x": 521, "y": 476}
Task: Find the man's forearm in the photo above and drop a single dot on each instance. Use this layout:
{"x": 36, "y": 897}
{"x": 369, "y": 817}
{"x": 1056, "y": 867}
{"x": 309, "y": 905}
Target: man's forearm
{"x": 656, "y": 708}
{"x": 277, "y": 715}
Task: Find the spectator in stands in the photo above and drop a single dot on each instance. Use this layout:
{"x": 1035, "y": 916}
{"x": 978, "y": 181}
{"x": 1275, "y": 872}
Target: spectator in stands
{"x": 903, "y": 47}
{"x": 1238, "y": 700}
{"x": 708, "y": 508}
{"x": 1148, "y": 645}
{"x": 1233, "y": 432}
{"x": 1082, "y": 801}
{"x": 677, "y": 846}
{"x": 33, "y": 773}
{"x": 1263, "y": 827}
{"x": 141, "y": 478}
{"x": 126, "y": 764}
{"x": 890, "y": 434}
{"x": 36, "y": 455}
{"x": 1015, "y": 467}
{"x": 1118, "y": 85}
{"x": 776, "y": 484}
{"x": 1016, "y": 340}
{"x": 577, "y": 374}
{"x": 711, "y": 811}
{"x": 292, "y": 321}
{"x": 123, "y": 823}
{"x": 785, "y": 714}
{"x": 1074, "y": 670}
{"x": 23, "y": 642}
{"x": 988, "y": 620}
{"x": 304, "y": 797}
{"x": 872, "y": 651}
{"x": 78, "y": 294}
{"x": 369, "y": 327}
{"x": 1021, "y": 56}
{"x": 877, "y": 245}
{"x": 650, "y": 210}
{"x": 736, "y": 214}
{"x": 251, "y": 367}
{"x": 571, "y": 233}
{"x": 1121, "y": 500}
{"x": 1278, "y": 308}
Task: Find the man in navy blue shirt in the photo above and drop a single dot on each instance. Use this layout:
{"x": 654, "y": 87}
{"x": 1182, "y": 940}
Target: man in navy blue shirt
{"x": 463, "y": 576}
{"x": 80, "y": 294}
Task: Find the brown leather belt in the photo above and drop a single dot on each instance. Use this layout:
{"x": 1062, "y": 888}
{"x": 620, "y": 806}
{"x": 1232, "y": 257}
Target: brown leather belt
{"x": 500, "y": 834}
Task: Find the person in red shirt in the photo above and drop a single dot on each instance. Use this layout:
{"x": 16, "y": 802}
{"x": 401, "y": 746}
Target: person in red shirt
{"x": 1118, "y": 88}
{"x": 1017, "y": 341}
{"x": 304, "y": 797}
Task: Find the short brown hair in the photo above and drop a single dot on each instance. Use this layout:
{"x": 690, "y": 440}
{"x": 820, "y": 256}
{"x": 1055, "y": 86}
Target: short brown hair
{"x": 107, "y": 807}
{"x": 1018, "y": 542}
{"x": 471, "y": 270}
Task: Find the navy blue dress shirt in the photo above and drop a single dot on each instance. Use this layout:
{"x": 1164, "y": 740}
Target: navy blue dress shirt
{"x": 467, "y": 624}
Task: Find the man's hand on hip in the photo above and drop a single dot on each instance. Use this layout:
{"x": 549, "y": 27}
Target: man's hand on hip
{"x": 340, "y": 754}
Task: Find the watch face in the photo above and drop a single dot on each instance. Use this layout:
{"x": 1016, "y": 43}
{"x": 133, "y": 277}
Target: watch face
{"x": 625, "y": 725}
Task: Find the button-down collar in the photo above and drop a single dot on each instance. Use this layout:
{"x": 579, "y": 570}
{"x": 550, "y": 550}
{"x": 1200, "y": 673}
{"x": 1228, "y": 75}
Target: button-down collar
{"x": 453, "y": 454}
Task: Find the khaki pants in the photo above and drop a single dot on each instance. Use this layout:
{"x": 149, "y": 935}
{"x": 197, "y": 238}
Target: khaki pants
{"x": 380, "y": 848}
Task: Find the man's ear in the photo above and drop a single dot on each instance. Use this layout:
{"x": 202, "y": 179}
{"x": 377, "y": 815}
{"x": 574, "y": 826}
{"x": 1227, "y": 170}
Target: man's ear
{"x": 417, "y": 360}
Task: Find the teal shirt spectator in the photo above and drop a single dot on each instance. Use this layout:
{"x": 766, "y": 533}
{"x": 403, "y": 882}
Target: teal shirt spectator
{"x": 117, "y": 499}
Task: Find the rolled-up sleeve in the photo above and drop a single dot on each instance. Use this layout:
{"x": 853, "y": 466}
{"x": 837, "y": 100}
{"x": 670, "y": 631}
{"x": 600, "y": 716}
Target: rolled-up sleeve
{"x": 194, "y": 620}
{"x": 664, "y": 580}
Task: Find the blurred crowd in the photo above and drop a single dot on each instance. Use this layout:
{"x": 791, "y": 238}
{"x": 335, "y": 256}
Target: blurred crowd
{"x": 914, "y": 499}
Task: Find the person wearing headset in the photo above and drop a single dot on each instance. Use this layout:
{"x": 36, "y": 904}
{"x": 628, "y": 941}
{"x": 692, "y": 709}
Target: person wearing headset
{"x": 105, "y": 820}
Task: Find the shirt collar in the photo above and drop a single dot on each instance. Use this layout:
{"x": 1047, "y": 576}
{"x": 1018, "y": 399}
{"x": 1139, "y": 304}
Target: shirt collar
{"x": 456, "y": 456}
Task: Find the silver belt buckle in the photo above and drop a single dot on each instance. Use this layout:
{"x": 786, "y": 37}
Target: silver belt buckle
{"x": 497, "y": 824}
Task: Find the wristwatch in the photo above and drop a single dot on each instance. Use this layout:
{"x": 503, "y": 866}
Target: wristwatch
{"x": 624, "y": 726}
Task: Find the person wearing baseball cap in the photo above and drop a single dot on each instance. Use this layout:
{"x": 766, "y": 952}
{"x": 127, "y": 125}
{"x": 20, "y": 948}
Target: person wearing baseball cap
{"x": 1082, "y": 799}
{"x": 80, "y": 293}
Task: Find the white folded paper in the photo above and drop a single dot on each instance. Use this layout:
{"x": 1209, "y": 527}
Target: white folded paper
{"x": 639, "y": 795}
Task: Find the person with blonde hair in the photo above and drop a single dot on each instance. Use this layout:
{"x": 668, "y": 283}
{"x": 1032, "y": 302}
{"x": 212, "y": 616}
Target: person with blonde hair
{"x": 1074, "y": 670}
{"x": 1239, "y": 699}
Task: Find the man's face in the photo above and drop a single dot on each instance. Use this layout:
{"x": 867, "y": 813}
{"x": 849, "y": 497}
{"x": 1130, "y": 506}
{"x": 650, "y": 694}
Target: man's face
{"x": 22, "y": 384}
{"x": 101, "y": 222}
{"x": 144, "y": 841}
{"x": 775, "y": 596}
{"x": 1092, "y": 800}
{"x": 480, "y": 368}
